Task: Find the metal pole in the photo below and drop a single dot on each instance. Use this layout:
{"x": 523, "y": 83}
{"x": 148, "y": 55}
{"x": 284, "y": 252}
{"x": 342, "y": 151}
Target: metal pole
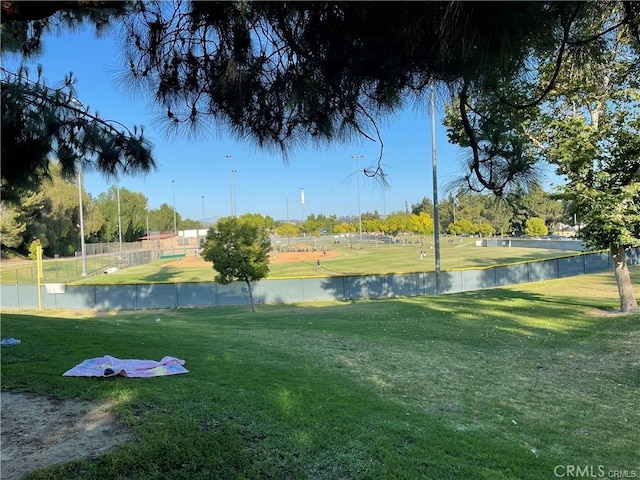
{"x": 82, "y": 246}
{"x": 40, "y": 275}
{"x": 436, "y": 218}
{"x": 233, "y": 191}
{"x": 229, "y": 157}
{"x": 358, "y": 189}
{"x": 384, "y": 196}
{"x": 175, "y": 222}
{"x": 199, "y": 242}
{"x": 119, "y": 220}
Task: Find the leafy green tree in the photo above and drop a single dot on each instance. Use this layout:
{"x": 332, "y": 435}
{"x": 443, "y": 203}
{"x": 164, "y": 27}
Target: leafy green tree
{"x": 259, "y": 220}
{"x": 287, "y": 230}
{"x": 34, "y": 207}
{"x": 462, "y": 227}
{"x": 65, "y": 129}
{"x": 485, "y": 229}
{"x": 40, "y": 122}
{"x": 373, "y": 225}
{"x": 536, "y": 227}
{"x": 421, "y": 223}
{"x": 12, "y": 226}
{"x": 499, "y": 214}
{"x": 34, "y": 246}
{"x": 534, "y": 202}
{"x": 161, "y": 219}
{"x": 62, "y": 213}
{"x": 239, "y": 250}
{"x": 33, "y": 219}
{"x": 590, "y": 129}
{"x": 576, "y": 108}
{"x": 426, "y": 206}
{"x": 133, "y": 214}
{"x": 445, "y": 212}
{"x": 397, "y": 223}
{"x": 189, "y": 224}
{"x": 342, "y": 228}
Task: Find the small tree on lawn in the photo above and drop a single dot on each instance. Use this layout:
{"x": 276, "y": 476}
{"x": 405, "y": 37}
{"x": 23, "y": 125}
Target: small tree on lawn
{"x": 535, "y": 227}
{"x": 239, "y": 250}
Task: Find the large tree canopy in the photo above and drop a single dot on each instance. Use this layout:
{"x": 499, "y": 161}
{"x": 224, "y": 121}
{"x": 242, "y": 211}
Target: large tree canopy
{"x": 282, "y": 73}
{"x": 40, "y": 123}
{"x": 286, "y": 72}
{"x": 585, "y": 121}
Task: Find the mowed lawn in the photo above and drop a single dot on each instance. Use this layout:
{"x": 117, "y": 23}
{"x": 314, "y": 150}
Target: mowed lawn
{"x": 509, "y": 383}
{"x": 356, "y": 261}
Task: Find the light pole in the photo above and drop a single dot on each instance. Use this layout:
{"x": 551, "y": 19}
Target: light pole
{"x": 201, "y": 224}
{"x": 384, "y": 196}
{"x": 233, "y": 192}
{"x": 119, "y": 220}
{"x": 175, "y": 221}
{"x": 82, "y": 246}
{"x": 302, "y": 203}
{"x": 202, "y": 211}
{"x": 229, "y": 157}
{"x": 357, "y": 157}
{"x": 436, "y": 218}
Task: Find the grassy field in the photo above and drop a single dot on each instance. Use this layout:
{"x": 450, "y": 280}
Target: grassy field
{"x": 507, "y": 383}
{"x": 370, "y": 260}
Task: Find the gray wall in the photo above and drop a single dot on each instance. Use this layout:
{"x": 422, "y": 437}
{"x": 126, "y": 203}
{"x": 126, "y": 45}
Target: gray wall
{"x": 551, "y": 244}
{"x": 172, "y": 295}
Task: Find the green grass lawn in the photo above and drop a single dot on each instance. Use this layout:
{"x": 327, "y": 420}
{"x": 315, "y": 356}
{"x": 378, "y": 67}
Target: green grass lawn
{"x": 370, "y": 260}
{"x": 496, "y": 384}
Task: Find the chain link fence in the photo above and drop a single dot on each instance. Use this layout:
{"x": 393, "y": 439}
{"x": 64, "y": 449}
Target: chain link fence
{"x": 98, "y": 258}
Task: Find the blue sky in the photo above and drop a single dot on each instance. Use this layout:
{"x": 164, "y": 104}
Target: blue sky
{"x": 196, "y": 172}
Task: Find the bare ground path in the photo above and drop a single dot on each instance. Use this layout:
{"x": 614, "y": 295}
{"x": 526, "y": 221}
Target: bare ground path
{"x": 38, "y": 431}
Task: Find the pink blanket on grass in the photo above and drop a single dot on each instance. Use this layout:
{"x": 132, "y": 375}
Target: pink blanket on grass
{"x": 109, "y": 366}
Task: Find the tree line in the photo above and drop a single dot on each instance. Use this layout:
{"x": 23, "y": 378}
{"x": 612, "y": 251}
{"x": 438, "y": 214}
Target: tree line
{"x": 52, "y": 216}
{"x": 533, "y": 212}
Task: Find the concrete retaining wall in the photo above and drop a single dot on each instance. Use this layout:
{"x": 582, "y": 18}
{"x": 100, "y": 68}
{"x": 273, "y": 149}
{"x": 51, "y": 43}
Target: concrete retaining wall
{"x": 274, "y": 291}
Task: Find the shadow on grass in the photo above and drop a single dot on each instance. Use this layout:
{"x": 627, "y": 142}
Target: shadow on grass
{"x": 348, "y": 390}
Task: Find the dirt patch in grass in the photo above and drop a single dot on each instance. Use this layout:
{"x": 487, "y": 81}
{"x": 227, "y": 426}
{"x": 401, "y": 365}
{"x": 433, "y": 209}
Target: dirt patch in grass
{"x": 38, "y": 432}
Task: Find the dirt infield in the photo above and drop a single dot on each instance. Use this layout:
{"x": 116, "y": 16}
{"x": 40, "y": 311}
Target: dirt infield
{"x": 276, "y": 257}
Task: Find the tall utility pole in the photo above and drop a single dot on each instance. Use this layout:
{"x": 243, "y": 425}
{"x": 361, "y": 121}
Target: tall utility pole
{"x": 229, "y": 157}
{"x": 83, "y": 249}
{"x": 202, "y": 223}
{"x": 119, "y": 220}
{"x": 357, "y": 157}
{"x": 302, "y": 202}
{"x": 233, "y": 192}
{"x": 434, "y": 168}
{"x": 202, "y": 211}
{"x": 175, "y": 222}
{"x": 384, "y": 196}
